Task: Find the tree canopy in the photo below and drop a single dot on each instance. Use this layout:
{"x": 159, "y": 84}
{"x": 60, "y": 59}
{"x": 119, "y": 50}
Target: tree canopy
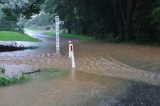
{"x": 112, "y": 20}
{"x": 109, "y": 19}
{"x": 12, "y": 10}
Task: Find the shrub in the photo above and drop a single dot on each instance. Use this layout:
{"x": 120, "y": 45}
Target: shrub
{"x": 6, "y": 81}
{"x": 4, "y": 47}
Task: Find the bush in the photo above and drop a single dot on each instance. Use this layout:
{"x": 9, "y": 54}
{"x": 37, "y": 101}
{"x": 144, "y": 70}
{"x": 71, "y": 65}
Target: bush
{"x": 10, "y": 26}
{"x": 6, "y": 81}
{"x": 4, "y": 47}
{"x": 10, "y": 47}
{"x": 111, "y": 37}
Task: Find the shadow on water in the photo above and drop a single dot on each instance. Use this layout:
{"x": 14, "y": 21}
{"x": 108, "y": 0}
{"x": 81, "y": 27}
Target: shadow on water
{"x": 104, "y": 93}
{"x": 132, "y": 94}
{"x": 140, "y": 94}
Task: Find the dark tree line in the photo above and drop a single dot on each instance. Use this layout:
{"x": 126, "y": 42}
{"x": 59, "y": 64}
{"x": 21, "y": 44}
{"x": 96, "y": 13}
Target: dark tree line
{"x": 115, "y": 20}
{"x": 123, "y": 13}
{"x": 112, "y": 20}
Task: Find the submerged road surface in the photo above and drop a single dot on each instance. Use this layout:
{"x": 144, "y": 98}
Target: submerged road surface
{"x": 106, "y": 75}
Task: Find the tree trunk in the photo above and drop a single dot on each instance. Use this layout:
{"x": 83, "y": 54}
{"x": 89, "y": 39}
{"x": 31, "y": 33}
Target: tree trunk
{"x": 69, "y": 30}
{"x": 118, "y": 18}
{"x": 123, "y": 12}
{"x": 129, "y": 20}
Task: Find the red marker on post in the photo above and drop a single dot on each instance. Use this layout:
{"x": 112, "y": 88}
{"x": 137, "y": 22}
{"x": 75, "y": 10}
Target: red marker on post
{"x": 71, "y": 54}
{"x": 69, "y": 49}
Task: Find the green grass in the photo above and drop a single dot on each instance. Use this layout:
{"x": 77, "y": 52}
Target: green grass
{"x": 33, "y": 28}
{"x": 37, "y": 27}
{"x": 49, "y": 33}
{"x": 6, "y": 81}
{"x": 72, "y": 36}
{"x": 15, "y": 36}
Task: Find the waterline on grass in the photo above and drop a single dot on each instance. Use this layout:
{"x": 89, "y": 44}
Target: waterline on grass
{"x": 15, "y": 36}
{"x": 20, "y": 79}
{"x": 72, "y": 36}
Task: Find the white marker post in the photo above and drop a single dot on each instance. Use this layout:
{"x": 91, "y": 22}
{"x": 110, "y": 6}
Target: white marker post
{"x": 70, "y": 49}
{"x": 71, "y": 54}
{"x": 57, "y": 33}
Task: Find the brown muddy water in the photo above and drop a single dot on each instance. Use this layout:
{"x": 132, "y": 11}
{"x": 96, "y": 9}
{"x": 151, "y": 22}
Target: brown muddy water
{"x": 105, "y": 75}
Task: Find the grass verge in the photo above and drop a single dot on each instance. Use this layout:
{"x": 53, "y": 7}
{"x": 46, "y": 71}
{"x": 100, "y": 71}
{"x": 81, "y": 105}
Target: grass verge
{"x": 33, "y": 28}
{"x": 49, "y": 33}
{"x": 72, "y": 36}
{"x": 15, "y": 36}
{"x": 37, "y": 28}
{"x": 6, "y": 81}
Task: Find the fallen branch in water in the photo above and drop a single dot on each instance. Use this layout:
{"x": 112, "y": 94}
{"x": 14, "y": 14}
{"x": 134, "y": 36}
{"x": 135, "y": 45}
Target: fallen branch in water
{"x": 32, "y": 72}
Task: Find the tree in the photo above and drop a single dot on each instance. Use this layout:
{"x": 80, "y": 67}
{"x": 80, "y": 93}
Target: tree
{"x": 63, "y": 8}
{"x": 123, "y": 20}
{"x": 124, "y": 12}
{"x": 41, "y": 19}
{"x": 146, "y": 26}
{"x": 15, "y": 9}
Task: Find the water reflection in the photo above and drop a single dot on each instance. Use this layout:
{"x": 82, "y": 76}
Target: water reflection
{"x": 87, "y": 89}
{"x": 140, "y": 94}
{"x": 73, "y": 74}
{"x": 46, "y": 90}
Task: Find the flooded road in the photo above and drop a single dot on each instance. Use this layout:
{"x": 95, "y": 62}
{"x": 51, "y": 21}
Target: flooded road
{"x": 106, "y": 75}
{"x": 64, "y": 90}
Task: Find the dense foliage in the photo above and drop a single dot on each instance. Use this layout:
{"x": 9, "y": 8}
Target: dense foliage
{"x": 112, "y": 20}
{"x": 11, "y": 11}
{"x": 41, "y": 19}
{"x": 6, "y": 80}
{"x": 115, "y": 20}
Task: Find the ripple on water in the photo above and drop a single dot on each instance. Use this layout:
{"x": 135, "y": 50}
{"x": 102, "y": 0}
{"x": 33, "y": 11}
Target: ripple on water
{"x": 104, "y": 72}
{"x": 61, "y": 89}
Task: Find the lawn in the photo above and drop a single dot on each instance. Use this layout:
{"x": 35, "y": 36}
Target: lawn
{"x": 33, "y": 28}
{"x": 73, "y": 36}
{"x": 15, "y": 36}
{"x": 37, "y": 28}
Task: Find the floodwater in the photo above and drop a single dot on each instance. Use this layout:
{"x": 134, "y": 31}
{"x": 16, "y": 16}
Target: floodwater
{"x": 105, "y": 75}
